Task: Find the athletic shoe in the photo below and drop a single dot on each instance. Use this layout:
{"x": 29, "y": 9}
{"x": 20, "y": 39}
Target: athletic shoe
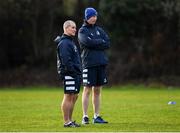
{"x": 76, "y": 125}
{"x": 72, "y": 124}
{"x": 99, "y": 120}
{"x": 85, "y": 120}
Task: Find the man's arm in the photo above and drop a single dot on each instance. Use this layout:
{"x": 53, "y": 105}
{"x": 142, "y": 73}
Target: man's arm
{"x": 66, "y": 57}
{"x": 88, "y": 42}
{"x": 105, "y": 37}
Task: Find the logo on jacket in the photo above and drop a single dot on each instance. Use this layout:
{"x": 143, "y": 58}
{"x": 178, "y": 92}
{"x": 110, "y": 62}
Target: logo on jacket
{"x": 97, "y": 32}
{"x": 75, "y": 48}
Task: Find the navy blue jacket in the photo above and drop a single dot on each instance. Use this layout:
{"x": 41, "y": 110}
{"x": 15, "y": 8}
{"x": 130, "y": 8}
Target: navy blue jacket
{"x": 93, "y": 41}
{"x": 68, "y": 58}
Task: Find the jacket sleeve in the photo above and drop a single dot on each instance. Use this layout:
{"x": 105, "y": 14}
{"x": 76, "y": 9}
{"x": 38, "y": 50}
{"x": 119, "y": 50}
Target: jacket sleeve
{"x": 105, "y": 38}
{"x": 86, "y": 41}
{"x": 65, "y": 51}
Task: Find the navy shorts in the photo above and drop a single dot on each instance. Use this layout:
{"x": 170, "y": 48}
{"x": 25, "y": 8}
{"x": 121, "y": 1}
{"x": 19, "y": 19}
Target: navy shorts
{"x": 94, "y": 76}
{"x": 72, "y": 84}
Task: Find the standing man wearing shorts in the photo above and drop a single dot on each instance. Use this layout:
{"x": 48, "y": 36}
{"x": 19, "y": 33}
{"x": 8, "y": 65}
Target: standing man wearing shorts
{"x": 93, "y": 41}
{"x": 69, "y": 70}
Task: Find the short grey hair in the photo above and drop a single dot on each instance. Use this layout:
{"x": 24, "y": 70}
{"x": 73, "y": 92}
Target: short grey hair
{"x": 67, "y": 24}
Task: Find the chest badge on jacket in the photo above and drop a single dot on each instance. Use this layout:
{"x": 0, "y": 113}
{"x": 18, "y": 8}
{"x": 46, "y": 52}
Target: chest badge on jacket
{"x": 97, "y": 33}
{"x": 75, "y": 49}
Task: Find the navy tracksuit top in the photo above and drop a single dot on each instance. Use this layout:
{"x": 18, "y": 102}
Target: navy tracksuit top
{"x": 93, "y": 41}
{"x": 68, "y": 57}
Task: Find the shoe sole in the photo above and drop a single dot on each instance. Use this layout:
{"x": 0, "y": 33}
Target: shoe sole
{"x": 85, "y": 123}
{"x": 99, "y": 122}
{"x": 71, "y": 126}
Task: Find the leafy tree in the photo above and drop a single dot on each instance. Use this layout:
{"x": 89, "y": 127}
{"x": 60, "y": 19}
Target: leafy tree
{"x": 144, "y": 36}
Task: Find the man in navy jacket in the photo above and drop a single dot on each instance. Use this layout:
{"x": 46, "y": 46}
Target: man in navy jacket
{"x": 70, "y": 71}
{"x": 93, "y": 41}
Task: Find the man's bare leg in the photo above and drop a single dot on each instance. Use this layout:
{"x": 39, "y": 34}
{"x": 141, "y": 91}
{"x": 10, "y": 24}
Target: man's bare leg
{"x": 66, "y": 107}
{"x": 85, "y": 99}
{"x": 96, "y": 96}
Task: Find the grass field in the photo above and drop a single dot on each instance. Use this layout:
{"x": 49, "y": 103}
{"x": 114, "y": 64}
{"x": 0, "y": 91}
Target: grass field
{"x": 127, "y": 108}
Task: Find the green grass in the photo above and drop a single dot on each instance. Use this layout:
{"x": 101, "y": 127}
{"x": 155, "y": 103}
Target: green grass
{"x": 127, "y": 108}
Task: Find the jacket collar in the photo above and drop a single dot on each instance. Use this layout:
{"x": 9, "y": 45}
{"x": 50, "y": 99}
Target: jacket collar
{"x": 64, "y": 36}
{"x": 86, "y": 24}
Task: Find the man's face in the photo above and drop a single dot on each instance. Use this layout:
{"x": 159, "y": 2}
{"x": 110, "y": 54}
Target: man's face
{"x": 71, "y": 30}
{"x": 92, "y": 20}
